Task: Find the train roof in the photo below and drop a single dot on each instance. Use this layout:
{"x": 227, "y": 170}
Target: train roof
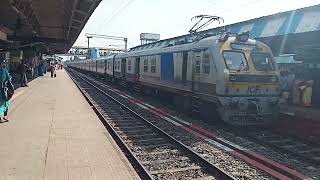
{"x": 175, "y": 41}
{"x": 205, "y": 42}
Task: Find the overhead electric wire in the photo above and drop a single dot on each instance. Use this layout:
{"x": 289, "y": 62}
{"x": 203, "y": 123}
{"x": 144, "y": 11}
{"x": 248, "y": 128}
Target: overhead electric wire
{"x": 114, "y": 15}
{"x": 250, "y": 3}
{"x": 113, "y": 12}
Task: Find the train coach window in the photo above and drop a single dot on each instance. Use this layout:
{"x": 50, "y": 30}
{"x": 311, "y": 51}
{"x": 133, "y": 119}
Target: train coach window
{"x": 235, "y": 60}
{"x": 197, "y": 65}
{"x": 129, "y": 65}
{"x": 153, "y": 64}
{"x": 118, "y": 62}
{"x": 145, "y": 65}
{"x": 205, "y": 64}
{"x": 262, "y": 61}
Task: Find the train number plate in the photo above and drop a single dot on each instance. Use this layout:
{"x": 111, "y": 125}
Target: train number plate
{"x": 253, "y": 89}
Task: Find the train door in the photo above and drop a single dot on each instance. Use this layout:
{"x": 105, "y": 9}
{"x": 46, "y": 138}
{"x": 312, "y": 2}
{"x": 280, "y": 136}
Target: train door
{"x": 113, "y": 65}
{"x": 167, "y": 67}
{"x": 137, "y": 69}
{"x": 196, "y": 64}
{"x": 184, "y": 67}
{"x": 123, "y": 68}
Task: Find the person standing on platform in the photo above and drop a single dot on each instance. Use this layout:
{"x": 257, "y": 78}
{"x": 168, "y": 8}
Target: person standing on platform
{"x": 23, "y": 73}
{"x": 53, "y": 70}
{"x": 40, "y": 69}
{"x": 6, "y": 92}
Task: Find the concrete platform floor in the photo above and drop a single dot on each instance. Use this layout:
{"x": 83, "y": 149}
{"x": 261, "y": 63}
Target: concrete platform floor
{"x": 53, "y": 134}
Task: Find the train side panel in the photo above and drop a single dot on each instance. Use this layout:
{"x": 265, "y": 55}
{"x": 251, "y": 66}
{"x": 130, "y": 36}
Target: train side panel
{"x": 101, "y": 66}
{"x": 132, "y": 69}
{"x": 117, "y": 68}
{"x": 149, "y": 74}
{"x": 109, "y": 67}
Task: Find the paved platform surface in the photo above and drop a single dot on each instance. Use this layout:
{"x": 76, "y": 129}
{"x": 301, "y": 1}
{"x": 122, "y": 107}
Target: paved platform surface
{"x": 53, "y": 134}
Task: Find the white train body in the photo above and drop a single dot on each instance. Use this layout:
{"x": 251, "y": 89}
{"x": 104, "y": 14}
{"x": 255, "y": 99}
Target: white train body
{"x": 238, "y": 78}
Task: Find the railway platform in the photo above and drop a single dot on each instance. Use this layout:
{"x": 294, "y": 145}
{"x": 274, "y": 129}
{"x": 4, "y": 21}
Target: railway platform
{"x": 53, "y": 133}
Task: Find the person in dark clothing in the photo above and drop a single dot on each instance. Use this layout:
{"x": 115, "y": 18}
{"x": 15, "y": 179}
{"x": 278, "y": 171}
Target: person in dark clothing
{"x": 53, "y": 70}
{"x": 23, "y": 73}
{"x": 4, "y": 102}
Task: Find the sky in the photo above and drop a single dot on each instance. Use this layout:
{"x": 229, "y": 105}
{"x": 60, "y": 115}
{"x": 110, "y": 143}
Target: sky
{"x": 170, "y": 18}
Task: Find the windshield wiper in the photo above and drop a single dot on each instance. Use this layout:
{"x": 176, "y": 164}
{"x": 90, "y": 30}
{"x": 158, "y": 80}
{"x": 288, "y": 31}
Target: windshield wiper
{"x": 241, "y": 66}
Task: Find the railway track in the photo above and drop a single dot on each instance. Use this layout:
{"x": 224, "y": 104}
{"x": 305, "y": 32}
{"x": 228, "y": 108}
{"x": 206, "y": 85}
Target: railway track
{"x": 154, "y": 153}
{"x": 268, "y": 166}
{"x": 288, "y": 145}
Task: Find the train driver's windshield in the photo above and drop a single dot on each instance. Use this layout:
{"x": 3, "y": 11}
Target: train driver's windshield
{"x": 235, "y": 60}
{"x": 262, "y": 61}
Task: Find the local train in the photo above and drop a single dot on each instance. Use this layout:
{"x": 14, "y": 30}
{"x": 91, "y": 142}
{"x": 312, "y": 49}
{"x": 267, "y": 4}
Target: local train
{"x": 229, "y": 74}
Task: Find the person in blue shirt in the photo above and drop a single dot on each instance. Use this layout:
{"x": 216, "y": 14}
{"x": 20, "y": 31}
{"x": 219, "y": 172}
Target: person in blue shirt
{"x": 284, "y": 81}
{"x": 4, "y": 103}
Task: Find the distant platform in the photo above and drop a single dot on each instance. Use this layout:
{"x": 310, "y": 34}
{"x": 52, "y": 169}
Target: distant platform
{"x": 54, "y": 134}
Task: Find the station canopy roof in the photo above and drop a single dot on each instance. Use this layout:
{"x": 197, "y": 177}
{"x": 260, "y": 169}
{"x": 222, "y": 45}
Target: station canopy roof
{"x": 53, "y": 24}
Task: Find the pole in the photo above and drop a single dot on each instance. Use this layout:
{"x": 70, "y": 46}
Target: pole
{"x": 126, "y": 44}
{"x": 88, "y": 43}
{"x": 89, "y": 37}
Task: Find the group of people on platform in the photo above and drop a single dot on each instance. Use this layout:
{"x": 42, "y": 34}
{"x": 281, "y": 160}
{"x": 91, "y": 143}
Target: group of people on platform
{"x": 298, "y": 89}
{"x": 53, "y": 68}
{"x": 7, "y": 88}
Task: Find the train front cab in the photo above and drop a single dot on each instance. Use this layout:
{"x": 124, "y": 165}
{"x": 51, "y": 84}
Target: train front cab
{"x": 250, "y": 93}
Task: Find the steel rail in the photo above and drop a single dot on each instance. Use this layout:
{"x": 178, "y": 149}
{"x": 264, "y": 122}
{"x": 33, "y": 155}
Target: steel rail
{"x": 245, "y": 153}
{"x": 143, "y": 173}
{"x": 193, "y": 155}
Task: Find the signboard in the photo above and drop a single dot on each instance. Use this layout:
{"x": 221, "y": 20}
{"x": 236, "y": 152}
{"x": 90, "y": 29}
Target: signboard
{"x": 149, "y": 36}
